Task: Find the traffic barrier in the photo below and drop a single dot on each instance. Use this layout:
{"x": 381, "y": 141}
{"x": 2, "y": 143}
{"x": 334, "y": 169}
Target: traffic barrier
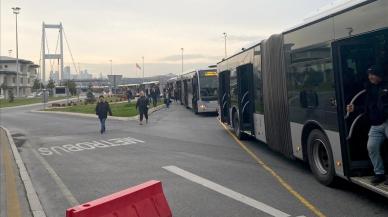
{"x": 144, "y": 200}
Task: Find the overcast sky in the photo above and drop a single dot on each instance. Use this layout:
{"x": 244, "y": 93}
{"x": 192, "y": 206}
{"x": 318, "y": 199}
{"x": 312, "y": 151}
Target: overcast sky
{"x": 126, "y": 30}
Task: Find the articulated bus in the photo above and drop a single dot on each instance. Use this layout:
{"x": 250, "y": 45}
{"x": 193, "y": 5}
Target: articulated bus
{"x": 199, "y": 90}
{"x": 291, "y": 90}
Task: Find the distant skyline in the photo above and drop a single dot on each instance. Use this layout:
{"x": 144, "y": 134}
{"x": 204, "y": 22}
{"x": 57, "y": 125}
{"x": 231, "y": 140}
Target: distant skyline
{"x": 126, "y": 30}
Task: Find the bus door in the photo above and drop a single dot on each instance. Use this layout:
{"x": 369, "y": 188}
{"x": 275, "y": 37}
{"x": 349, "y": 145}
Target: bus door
{"x": 185, "y": 93}
{"x": 224, "y": 95}
{"x": 245, "y": 96}
{"x": 195, "y": 93}
{"x": 352, "y": 58}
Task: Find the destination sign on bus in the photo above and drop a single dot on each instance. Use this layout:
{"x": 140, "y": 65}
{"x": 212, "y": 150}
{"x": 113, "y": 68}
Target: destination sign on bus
{"x": 211, "y": 73}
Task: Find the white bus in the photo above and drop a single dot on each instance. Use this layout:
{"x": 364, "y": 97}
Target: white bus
{"x": 291, "y": 90}
{"x": 199, "y": 90}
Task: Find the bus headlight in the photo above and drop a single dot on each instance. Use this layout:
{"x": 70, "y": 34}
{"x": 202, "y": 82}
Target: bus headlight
{"x": 203, "y": 107}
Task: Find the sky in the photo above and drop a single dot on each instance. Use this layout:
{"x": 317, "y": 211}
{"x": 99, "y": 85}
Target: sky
{"x": 125, "y": 30}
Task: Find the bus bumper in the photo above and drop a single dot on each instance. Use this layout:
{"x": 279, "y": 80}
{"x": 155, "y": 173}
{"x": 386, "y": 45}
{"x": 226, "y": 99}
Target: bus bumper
{"x": 205, "y": 106}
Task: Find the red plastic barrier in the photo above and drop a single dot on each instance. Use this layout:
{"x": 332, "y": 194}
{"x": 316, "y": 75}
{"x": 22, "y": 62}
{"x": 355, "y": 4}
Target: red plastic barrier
{"x": 144, "y": 200}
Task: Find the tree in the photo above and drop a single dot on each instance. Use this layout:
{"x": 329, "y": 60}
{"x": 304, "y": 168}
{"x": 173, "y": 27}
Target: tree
{"x": 11, "y": 96}
{"x": 4, "y": 86}
{"x": 72, "y": 86}
{"x": 51, "y": 86}
{"x": 90, "y": 98}
{"x": 37, "y": 85}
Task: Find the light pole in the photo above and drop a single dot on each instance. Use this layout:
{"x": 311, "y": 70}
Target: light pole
{"x": 111, "y": 71}
{"x": 16, "y": 11}
{"x": 225, "y": 36}
{"x": 111, "y": 74}
{"x": 182, "y": 60}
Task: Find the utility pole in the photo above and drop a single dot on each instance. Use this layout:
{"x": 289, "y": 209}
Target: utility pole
{"x": 111, "y": 71}
{"x": 225, "y": 36}
{"x": 182, "y": 60}
{"x": 16, "y": 11}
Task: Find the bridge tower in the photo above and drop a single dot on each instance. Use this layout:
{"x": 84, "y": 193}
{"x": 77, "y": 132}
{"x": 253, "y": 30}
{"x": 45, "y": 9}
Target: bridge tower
{"x": 55, "y": 55}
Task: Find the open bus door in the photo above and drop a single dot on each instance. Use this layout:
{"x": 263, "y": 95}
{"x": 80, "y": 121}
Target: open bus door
{"x": 245, "y": 97}
{"x": 224, "y": 95}
{"x": 185, "y": 93}
{"x": 195, "y": 98}
{"x": 352, "y": 58}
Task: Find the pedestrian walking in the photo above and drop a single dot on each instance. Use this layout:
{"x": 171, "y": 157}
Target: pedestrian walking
{"x": 166, "y": 99}
{"x": 102, "y": 110}
{"x": 142, "y": 106}
{"x": 154, "y": 96}
{"x": 129, "y": 96}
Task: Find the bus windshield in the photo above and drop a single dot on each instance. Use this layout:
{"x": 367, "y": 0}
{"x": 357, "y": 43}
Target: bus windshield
{"x": 209, "y": 84}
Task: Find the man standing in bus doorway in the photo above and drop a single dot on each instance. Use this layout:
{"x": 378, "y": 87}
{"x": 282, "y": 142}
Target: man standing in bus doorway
{"x": 102, "y": 110}
{"x": 142, "y": 106}
{"x": 376, "y": 109}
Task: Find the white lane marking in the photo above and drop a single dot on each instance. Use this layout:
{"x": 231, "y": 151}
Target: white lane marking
{"x": 65, "y": 191}
{"x": 226, "y": 191}
{"x": 88, "y": 145}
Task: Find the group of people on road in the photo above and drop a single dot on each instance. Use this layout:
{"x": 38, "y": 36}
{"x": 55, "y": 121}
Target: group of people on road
{"x": 375, "y": 108}
{"x": 103, "y": 109}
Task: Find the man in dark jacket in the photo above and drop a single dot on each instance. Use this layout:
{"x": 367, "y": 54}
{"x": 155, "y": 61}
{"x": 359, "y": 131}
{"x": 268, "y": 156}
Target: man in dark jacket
{"x": 102, "y": 110}
{"x": 142, "y": 106}
{"x": 376, "y": 109}
{"x": 129, "y": 95}
{"x": 154, "y": 96}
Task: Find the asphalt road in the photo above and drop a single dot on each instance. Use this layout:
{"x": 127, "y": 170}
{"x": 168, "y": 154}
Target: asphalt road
{"x": 129, "y": 154}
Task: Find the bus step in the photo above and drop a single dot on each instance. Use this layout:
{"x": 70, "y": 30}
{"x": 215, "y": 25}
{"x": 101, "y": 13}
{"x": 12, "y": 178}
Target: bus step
{"x": 365, "y": 182}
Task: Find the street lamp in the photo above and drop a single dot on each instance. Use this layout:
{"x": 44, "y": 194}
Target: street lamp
{"x": 225, "y": 36}
{"x": 111, "y": 71}
{"x": 16, "y": 11}
{"x": 182, "y": 59}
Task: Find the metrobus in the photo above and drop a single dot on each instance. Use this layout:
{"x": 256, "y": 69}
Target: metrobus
{"x": 199, "y": 90}
{"x": 172, "y": 86}
{"x": 124, "y": 88}
{"x": 290, "y": 91}
{"x": 147, "y": 86}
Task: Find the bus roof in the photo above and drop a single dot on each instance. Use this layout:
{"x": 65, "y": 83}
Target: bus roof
{"x": 128, "y": 85}
{"x": 324, "y": 13}
{"x": 150, "y": 82}
{"x": 336, "y": 8}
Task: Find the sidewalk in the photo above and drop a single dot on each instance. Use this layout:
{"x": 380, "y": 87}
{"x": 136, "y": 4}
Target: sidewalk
{"x": 17, "y": 194}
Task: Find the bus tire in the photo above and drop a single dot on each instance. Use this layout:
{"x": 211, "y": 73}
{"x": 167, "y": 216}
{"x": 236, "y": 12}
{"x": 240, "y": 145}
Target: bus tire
{"x": 236, "y": 127}
{"x": 320, "y": 157}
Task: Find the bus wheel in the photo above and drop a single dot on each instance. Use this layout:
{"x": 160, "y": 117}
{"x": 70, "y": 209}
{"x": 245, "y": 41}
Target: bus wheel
{"x": 320, "y": 157}
{"x": 236, "y": 126}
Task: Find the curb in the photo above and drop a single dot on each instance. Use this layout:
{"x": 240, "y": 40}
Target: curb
{"x": 32, "y": 197}
{"x": 151, "y": 110}
{"x": 36, "y": 104}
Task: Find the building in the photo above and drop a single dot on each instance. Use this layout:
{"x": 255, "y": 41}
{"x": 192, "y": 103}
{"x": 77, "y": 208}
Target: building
{"x": 27, "y": 75}
{"x": 65, "y": 75}
{"x": 54, "y": 76}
